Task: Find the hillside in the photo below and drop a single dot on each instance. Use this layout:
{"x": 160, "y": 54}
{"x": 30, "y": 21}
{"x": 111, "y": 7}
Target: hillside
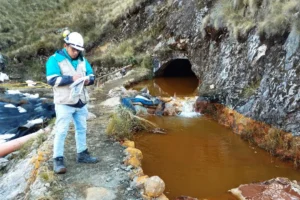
{"x": 245, "y": 53}
{"x": 30, "y": 31}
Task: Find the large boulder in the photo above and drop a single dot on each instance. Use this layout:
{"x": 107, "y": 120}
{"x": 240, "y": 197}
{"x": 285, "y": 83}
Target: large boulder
{"x": 277, "y": 188}
{"x": 154, "y": 186}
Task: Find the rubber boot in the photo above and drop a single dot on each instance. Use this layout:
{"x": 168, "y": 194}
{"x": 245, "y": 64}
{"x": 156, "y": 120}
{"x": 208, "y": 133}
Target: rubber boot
{"x": 58, "y": 165}
{"x": 85, "y": 157}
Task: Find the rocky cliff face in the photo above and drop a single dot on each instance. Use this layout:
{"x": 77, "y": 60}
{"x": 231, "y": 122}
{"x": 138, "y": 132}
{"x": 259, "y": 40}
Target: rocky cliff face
{"x": 255, "y": 76}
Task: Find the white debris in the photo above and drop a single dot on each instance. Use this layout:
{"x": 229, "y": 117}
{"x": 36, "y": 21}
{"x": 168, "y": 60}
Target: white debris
{"x": 32, "y": 96}
{"x": 3, "y": 77}
{"x": 21, "y": 109}
{"x": 112, "y": 102}
{"x": 6, "y": 136}
{"x": 261, "y": 51}
{"x": 9, "y": 106}
{"x": 31, "y": 123}
{"x": 13, "y": 92}
{"x": 30, "y": 83}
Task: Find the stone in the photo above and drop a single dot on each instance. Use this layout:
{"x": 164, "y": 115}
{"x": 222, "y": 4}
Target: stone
{"x": 14, "y": 182}
{"x": 138, "y": 182}
{"x": 128, "y": 143}
{"x": 3, "y": 163}
{"x": 96, "y": 193}
{"x": 38, "y": 189}
{"x": 90, "y": 106}
{"x": 170, "y": 109}
{"x": 111, "y": 102}
{"x": 201, "y": 104}
{"x": 154, "y": 186}
{"x": 277, "y": 188}
{"x": 133, "y": 152}
{"x": 162, "y": 197}
{"x": 134, "y": 162}
{"x": 136, "y": 173}
{"x": 91, "y": 116}
{"x": 145, "y": 197}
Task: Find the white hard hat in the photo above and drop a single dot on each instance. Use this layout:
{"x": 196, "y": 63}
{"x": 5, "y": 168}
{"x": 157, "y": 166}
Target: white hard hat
{"x": 75, "y": 40}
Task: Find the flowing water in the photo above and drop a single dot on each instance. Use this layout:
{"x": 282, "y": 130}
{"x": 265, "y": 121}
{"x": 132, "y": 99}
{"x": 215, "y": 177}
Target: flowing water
{"x": 198, "y": 157}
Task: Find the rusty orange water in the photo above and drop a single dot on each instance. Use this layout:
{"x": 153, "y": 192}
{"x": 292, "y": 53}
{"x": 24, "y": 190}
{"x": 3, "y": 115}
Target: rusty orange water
{"x": 183, "y": 86}
{"x": 200, "y": 158}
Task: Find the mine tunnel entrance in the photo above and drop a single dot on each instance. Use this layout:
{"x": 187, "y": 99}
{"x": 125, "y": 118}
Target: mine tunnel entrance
{"x": 176, "y": 77}
{"x": 178, "y": 68}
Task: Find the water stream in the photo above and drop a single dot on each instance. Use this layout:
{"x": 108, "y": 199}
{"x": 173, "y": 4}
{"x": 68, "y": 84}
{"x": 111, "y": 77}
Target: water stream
{"x": 198, "y": 157}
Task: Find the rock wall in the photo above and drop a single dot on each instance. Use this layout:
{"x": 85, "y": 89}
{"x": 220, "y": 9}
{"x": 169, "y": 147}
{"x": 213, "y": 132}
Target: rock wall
{"x": 256, "y": 77}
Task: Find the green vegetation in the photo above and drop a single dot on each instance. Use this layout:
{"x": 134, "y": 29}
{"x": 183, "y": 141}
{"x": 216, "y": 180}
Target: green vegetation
{"x": 123, "y": 124}
{"x": 248, "y": 134}
{"x": 25, "y": 149}
{"x": 28, "y": 146}
{"x": 35, "y": 23}
{"x": 30, "y": 31}
{"x": 124, "y": 53}
{"x": 273, "y": 140}
{"x": 46, "y": 175}
{"x": 270, "y": 18}
{"x": 250, "y": 90}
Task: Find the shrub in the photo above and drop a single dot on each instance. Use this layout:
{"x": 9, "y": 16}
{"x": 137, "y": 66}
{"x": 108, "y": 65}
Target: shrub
{"x": 123, "y": 124}
{"x": 46, "y": 175}
{"x": 273, "y": 140}
{"x": 147, "y": 62}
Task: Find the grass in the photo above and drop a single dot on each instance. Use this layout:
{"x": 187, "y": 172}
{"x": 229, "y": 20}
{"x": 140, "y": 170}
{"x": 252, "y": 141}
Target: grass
{"x": 250, "y": 90}
{"x": 128, "y": 51}
{"x": 27, "y": 147}
{"x": 270, "y": 18}
{"x": 35, "y": 34}
{"x": 123, "y": 124}
{"x": 273, "y": 140}
{"x": 46, "y": 175}
{"x": 43, "y": 18}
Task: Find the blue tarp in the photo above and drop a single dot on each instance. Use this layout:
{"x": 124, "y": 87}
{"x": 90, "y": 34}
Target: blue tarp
{"x": 18, "y": 109}
{"x": 128, "y": 102}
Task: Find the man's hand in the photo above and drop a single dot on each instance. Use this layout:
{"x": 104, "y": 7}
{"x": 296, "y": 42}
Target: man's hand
{"x": 76, "y": 76}
{"x": 86, "y": 82}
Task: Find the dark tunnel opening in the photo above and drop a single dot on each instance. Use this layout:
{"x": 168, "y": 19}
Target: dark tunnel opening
{"x": 178, "y": 68}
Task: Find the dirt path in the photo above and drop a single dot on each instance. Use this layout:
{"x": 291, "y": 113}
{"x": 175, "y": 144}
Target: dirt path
{"x": 109, "y": 176}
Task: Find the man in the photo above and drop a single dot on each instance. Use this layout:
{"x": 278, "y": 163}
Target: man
{"x": 62, "y": 69}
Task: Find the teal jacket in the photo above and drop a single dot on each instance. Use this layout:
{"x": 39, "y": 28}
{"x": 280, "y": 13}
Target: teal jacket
{"x": 54, "y": 75}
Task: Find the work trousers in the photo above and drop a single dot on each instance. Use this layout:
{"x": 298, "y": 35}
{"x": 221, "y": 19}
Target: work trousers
{"x": 64, "y": 115}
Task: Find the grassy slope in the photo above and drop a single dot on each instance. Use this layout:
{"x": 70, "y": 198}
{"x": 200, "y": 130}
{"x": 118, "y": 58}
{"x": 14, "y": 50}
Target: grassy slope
{"x": 30, "y": 30}
{"x": 269, "y": 17}
{"x": 31, "y": 24}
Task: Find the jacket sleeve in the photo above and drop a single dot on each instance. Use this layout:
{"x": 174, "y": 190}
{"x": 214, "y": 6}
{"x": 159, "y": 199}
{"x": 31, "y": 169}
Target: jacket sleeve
{"x": 90, "y": 73}
{"x": 53, "y": 73}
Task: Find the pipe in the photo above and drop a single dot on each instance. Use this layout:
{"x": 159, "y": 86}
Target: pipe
{"x": 16, "y": 144}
